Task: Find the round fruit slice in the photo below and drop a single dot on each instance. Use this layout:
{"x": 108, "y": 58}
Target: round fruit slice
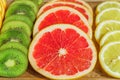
{"x": 14, "y": 45}
{"x": 20, "y": 18}
{"x": 19, "y": 25}
{"x": 28, "y": 3}
{"x": 109, "y": 58}
{"x": 55, "y": 16}
{"x": 21, "y": 9}
{"x": 112, "y": 36}
{"x": 104, "y": 27}
{"x": 106, "y": 5}
{"x": 80, "y": 2}
{"x": 16, "y": 36}
{"x": 108, "y": 14}
{"x": 13, "y": 63}
{"x": 83, "y": 10}
{"x": 62, "y": 51}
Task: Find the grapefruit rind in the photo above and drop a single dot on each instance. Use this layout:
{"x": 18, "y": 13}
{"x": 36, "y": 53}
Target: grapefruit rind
{"x": 102, "y": 62}
{"x": 62, "y": 27}
{"x": 78, "y": 2}
{"x": 51, "y": 4}
{"x": 42, "y": 17}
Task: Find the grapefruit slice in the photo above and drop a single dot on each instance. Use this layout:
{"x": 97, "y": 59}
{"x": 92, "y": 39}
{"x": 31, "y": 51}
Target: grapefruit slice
{"x": 62, "y": 51}
{"x": 78, "y": 7}
{"x": 81, "y": 2}
{"x": 64, "y": 15}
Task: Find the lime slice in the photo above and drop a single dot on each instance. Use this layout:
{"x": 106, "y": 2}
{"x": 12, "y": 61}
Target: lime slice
{"x": 112, "y": 36}
{"x": 108, "y": 14}
{"x": 109, "y": 58}
{"x": 104, "y": 27}
{"x": 106, "y": 5}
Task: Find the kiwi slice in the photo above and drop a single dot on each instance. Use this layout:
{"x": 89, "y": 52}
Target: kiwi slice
{"x": 21, "y": 9}
{"x": 17, "y": 25}
{"x": 28, "y": 3}
{"x": 14, "y": 45}
{"x": 13, "y": 63}
{"x": 20, "y": 18}
{"x": 16, "y": 36}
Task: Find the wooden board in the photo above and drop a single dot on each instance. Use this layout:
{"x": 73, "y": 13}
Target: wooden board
{"x": 96, "y": 74}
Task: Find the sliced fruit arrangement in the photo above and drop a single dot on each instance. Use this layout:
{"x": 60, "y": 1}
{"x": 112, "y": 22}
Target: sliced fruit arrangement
{"x": 62, "y": 46}
{"x": 62, "y": 51}
{"x": 74, "y": 13}
{"x": 107, "y": 35}
{"x": 15, "y": 37}
{"x": 2, "y": 10}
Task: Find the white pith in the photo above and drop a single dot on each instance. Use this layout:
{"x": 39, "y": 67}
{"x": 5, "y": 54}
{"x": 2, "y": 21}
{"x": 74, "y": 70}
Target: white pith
{"x": 62, "y": 51}
{"x": 62, "y": 27}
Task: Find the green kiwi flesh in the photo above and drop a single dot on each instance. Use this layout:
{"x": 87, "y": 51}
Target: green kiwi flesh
{"x": 20, "y": 18}
{"x": 30, "y": 3}
{"x": 21, "y": 9}
{"x": 14, "y": 45}
{"x": 17, "y": 25}
{"x": 16, "y": 36}
{"x": 13, "y": 63}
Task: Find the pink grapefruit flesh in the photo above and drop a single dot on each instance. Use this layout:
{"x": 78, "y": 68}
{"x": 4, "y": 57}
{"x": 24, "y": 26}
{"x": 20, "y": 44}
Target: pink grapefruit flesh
{"x": 61, "y": 15}
{"x": 78, "y": 7}
{"x": 62, "y": 51}
{"x": 81, "y": 2}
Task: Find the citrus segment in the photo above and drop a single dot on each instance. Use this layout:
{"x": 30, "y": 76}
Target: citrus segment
{"x": 62, "y": 51}
{"x": 64, "y": 15}
{"x": 78, "y": 7}
{"x": 108, "y": 14}
{"x": 106, "y": 26}
{"x": 106, "y": 5}
{"x": 112, "y": 36}
{"x": 109, "y": 57}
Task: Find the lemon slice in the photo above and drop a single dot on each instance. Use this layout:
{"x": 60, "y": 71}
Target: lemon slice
{"x": 112, "y": 36}
{"x": 104, "y": 27}
{"x": 109, "y": 58}
{"x": 106, "y": 5}
{"x": 108, "y": 14}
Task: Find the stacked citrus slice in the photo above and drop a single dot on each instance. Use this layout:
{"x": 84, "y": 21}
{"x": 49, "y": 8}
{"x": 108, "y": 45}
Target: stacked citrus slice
{"x": 2, "y": 10}
{"x": 62, "y": 46}
{"x": 107, "y": 35}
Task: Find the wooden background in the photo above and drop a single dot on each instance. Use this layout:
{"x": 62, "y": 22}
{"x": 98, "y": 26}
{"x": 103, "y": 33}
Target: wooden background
{"x": 96, "y": 74}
